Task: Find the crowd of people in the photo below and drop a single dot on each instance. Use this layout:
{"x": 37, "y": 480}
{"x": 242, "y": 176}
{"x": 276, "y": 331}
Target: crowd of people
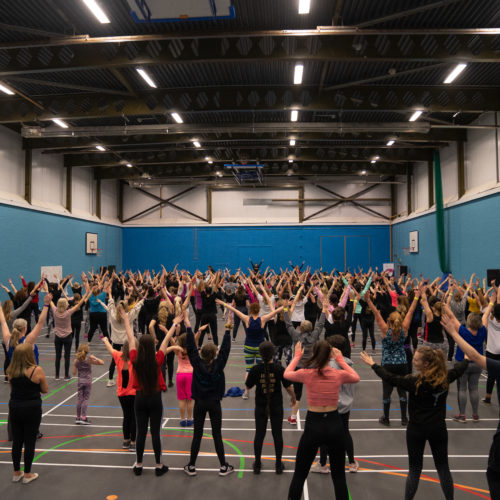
{"x": 299, "y": 330}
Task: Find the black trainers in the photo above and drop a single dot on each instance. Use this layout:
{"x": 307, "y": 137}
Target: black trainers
{"x": 280, "y": 467}
{"x": 384, "y": 421}
{"x": 190, "y": 470}
{"x": 159, "y": 471}
{"x": 404, "y": 421}
{"x": 225, "y": 470}
{"x": 256, "y": 467}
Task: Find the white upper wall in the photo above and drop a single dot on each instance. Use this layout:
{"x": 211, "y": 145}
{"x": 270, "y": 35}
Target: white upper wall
{"x": 11, "y": 166}
{"x": 420, "y": 187}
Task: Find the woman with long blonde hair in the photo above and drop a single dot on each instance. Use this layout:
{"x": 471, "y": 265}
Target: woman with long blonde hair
{"x": 27, "y": 381}
{"x": 428, "y": 390}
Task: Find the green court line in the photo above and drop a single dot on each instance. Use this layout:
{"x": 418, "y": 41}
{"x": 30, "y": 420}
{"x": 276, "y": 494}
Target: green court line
{"x": 59, "y": 389}
{"x": 3, "y": 422}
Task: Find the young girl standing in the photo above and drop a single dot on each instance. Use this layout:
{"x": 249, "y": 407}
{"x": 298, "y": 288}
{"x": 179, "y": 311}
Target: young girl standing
{"x": 83, "y": 366}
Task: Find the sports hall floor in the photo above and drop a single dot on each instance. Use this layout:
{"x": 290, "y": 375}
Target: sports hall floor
{"x": 87, "y": 462}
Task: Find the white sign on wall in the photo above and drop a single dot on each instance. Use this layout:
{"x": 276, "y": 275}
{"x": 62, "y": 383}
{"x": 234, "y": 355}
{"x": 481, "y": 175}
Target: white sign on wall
{"x": 52, "y": 273}
{"x": 389, "y": 268}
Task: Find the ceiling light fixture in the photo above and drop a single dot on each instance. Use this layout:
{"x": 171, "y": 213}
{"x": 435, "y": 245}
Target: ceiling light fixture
{"x": 210, "y": 162}
{"x": 390, "y": 143}
{"x": 456, "y": 114}
{"x": 292, "y": 142}
{"x": 363, "y": 172}
{"x": 299, "y": 72}
{"x": 177, "y": 117}
{"x": 304, "y": 6}
{"x": 373, "y": 161}
{"x": 129, "y": 165}
{"x": 290, "y": 161}
{"x": 6, "y": 90}
{"x": 196, "y": 144}
{"x": 97, "y": 11}
{"x": 415, "y": 116}
{"x": 377, "y": 157}
{"x": 60, "y": 123}
{"x": 294, "y": 115}
{"x": 456, "y": 71}
{"x": 146, "y": 77}
{"x": 100, "y": 148}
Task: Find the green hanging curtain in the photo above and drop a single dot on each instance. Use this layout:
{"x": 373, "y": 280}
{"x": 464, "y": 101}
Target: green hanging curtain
{"x": 438, "y": 189}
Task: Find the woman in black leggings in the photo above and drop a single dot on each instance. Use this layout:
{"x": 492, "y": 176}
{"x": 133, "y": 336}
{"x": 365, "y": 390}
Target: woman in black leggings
{"x": 428, "y": 391}
{"x": 268, "y": 378}
{"x": 149, "y": 384}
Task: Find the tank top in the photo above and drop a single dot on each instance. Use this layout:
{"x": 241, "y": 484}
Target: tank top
{"x": 254, "y": 333}
{"x": 10, "y": 350}
{"x": 434, "y": 331}
{"x": 24, "y": 392}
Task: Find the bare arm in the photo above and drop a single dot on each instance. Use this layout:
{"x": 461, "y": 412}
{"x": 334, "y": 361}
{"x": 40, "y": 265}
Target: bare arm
{"x": 33, "y": 335}
{"x": 95, "y": 361}
{"x": 244, "y": 317}
{"x": 107, "y": 345}
{"x": 378, "y": 317}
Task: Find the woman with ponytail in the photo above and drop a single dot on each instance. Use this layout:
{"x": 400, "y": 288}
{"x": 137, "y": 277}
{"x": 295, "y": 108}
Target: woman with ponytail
{"x": 428, "y": 390}
{"x": 393, "y": 335}
{"x": 268, "y": 379}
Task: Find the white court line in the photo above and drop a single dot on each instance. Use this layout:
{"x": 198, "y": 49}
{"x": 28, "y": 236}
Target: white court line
{"x": 164, "y": 423}
{"x": 69, "y": 397}
{"x": 114, "y": 466}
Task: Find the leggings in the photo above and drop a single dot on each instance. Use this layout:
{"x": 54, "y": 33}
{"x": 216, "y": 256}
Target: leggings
{"x": 6, "y": 360}
{"x": 490, "y": 381}
{"x": 75, "y": 329}
{"x": 211, "y": 320}
{"x": 416, "y": 436}
{"x": 170, "y": 366}
{"x": 321, "y": 429}
{"x": 25, "y": 423}
{"x": 368, "y": 328}
{"x": 237, "y": 320}
{"x": 197, "y": 315}
{"x": 128, "y": 424}
{"x": 201, "y": 407}
{"x": 148, "y": 410}
{"x": 283, "y": 350}
{"x": 355, "y": 318}
{"x": 470, "y": 378}
{"x": 98, "y": 319}
{"x": 112, "y": 365}
{"x": 412, "y": 333}
{"x": 59, "y": 342}
{"x": 349, "y": 445}
{"x": 252, "y": 357}
{"x": 387, "y": 390}
{"x": 83, "y": 400}
{"x": 261, "y": 418}
{"x": 451, "y": 346}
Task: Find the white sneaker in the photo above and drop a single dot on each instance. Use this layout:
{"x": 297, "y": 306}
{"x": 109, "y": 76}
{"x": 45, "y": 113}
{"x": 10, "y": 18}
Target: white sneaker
{"x": 317, "y": 467}
{"x": 244, "y": 395}
{"x": 110, "y": 383}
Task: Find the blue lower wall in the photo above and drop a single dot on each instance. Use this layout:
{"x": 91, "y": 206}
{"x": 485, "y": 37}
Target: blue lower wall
{"x": 198, "y": 247}
{"x": 473, "y": 228}
{"x": 32, "y": 239}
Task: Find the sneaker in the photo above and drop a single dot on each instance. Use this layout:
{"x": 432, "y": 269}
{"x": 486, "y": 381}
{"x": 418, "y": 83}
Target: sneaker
{"x": 256, "y": 467}
{"x": 5, "y": 380}
{"x": 67, "y": 378}
{"x": 245, "y": 395}
{"x": 279, "y": 467}
{"x": 460, "y": 418}
{"x": 57, "y": 378}
{"x": 137, "y": 470}
{"x": 47, "y": 336}
{"x": 159, "y": 471}
{"x": 321, "y": 469}
{"x": 486, "y": 401}
{"x": 404, "y": 421}
{"x": 189, "y": 423}
{"x": 126, "y": 445}
{"x": 226, "y": 470}
{"x": 292, "y": 420}
{"x": 131, "y": 447}
{"x": 190, "y": 470}
{"x": 16, "y": 479}
{"x": 110, "y": 383}
{"x": 78, "y": 421}
{"x": 475, "y": 418}
{"x": 39, "y": 435}
{"x": 184, "y": 423}
{"x": 170, "y": 384}
{"x": 85, "y": 421}
{"x": 27, "y": 480}
{"x": 354, "y": 467}
{"x": 384, "y": 421}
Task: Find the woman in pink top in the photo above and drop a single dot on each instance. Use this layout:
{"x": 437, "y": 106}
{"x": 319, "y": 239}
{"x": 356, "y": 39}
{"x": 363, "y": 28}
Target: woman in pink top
{"x": 63, "y": 332}
{"x": 323, "y": 425}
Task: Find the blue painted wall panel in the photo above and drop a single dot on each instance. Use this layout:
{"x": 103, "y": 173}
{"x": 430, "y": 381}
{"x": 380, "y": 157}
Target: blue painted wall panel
{"x": 472, "y": 239}
{"x": 34, "y": 239}
{"x": 192, "y": 248}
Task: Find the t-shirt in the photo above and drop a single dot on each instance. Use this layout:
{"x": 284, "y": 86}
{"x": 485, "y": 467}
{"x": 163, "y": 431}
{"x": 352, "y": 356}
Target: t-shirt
{"x": 84, "y": 372}
{"x": 434, "y": 331}
{"x": 257, "y": 377}
{"x": 125, "y": 383}
{"x": 393, "y": 353}
{"x": 95, "y": 306}
{"x": 476, "y": 341}
{"x": 160, "y": 357}
{"x": 493, "y": 343}
{"x": 62, "y": 323}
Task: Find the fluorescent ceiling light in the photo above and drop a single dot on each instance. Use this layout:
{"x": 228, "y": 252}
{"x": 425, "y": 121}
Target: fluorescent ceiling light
{"x": 292, "y": 142}
{"x": 297, "y": 76}
{"x": 373, "y": 161}
{"x": 6, "y": 90}
{"x": 100, "y": 148}
{"x": 129, "y": 165}
{"x": 294, "y": 115}
{"x": 377, "y": 157}
{"x": 290, "y": 161}
{"x": 146, "y": 77}
{"x": 415, "y": 116}
{"x": 390, "y": 143}
{"x": 456, "y": 71}
{"x": 210, "y": 162}
{"x": 304, "y": 6}
{"x": 363, "y": 172}
{"x": 177, "y": 117}
{"x": 196, "y": 144}
{"x": 97, "y": 11}
{"x": 60, "y": 123}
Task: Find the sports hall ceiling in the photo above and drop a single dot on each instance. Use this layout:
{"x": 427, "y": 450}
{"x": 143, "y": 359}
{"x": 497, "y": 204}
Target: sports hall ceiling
{"x": 367, "y": 67}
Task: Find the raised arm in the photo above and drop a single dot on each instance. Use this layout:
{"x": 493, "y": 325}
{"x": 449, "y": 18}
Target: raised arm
{"x": 5, "y": 328}
{"x": 378, "y": 317}
{"x": 33, "y": 335}
{"x": 409, "y": 314}
{"x": 107, "y": 345}
{"x": 170, "y": 333}
{"x": 427, "y": 310}
{"x": 244, "y": 317}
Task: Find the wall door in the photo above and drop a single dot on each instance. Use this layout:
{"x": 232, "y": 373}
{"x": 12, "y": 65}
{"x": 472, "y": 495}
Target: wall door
{"x": 344, "y": 252}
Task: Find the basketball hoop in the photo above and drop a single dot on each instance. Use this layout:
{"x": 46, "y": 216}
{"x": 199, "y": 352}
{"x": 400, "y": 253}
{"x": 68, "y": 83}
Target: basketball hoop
{"x": 406, "y": 250}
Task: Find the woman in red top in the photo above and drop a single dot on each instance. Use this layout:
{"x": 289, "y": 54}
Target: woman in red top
{"x": 149, "y": 384}
{"x": 323, "y": 424}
